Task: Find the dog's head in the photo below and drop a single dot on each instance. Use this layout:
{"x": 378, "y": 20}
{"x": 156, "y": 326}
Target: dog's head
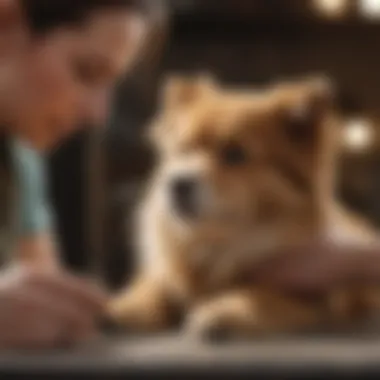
{"x": 228, "y": 156}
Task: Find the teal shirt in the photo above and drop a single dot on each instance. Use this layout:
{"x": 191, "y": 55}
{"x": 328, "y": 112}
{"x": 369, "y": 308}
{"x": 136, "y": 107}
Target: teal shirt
{"x": 34, "y": 214}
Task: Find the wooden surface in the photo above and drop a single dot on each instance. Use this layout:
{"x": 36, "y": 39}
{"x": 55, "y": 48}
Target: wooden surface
{"x": 350, "y": 353}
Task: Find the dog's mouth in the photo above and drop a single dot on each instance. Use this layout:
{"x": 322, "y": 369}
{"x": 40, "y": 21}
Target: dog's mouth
{"x": 187, "y": 209}
{"x": 193, "y": 212}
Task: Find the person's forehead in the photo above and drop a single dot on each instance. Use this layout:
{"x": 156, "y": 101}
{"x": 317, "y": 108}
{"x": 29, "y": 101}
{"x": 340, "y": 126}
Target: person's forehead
{"x": 112, "y": 29}
{"x": 110, "y": 35}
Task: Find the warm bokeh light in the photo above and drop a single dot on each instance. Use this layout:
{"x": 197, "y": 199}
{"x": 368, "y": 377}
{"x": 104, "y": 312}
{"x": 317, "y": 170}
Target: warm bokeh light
{"x": 370, "y": 8}
{"x": 358, "y": 135}
{"x": 331, "y": 8}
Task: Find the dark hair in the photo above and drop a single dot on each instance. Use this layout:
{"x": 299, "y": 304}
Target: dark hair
{"x": 44, "y": 15}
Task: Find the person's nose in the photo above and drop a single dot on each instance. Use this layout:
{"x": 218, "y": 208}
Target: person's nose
{"x": 96, "y": 109}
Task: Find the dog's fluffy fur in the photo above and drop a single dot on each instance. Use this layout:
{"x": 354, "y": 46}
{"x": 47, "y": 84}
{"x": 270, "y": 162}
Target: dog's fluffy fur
{"x": 263, "y": 163}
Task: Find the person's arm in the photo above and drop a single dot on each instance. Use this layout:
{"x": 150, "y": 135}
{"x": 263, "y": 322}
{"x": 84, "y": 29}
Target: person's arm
{"x": 35, "y": 242}
{"x": 320, "y": 266}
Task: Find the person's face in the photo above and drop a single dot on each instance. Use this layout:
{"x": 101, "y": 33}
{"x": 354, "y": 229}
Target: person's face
{"x": 62, "y": 82}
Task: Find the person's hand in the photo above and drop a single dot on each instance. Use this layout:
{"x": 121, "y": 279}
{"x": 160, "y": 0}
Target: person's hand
{"x": 319, "y": 266}
{"x": 42, "y": 310}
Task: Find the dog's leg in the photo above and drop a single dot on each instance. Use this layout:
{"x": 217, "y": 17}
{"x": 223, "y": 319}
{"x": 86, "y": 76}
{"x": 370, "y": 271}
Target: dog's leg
{"x": 248, "y": 313}
{"x": 143, "y": 307}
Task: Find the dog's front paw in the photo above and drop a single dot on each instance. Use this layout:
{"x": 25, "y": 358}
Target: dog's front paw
{"x": 135, "y": 313}
{"x": 126, "y": 312}
{"x": 204, "y": 325}
{"x": 222, "y": 320}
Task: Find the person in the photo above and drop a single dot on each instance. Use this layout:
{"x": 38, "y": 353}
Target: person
{"x": 59, "y": 61}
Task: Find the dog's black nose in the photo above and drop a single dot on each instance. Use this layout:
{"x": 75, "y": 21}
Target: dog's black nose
{"x": 184, "y": 187}
{"x": 184, "y": 192}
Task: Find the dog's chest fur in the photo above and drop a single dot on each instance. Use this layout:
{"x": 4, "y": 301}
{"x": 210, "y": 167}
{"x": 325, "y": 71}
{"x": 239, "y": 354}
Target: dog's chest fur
{"x": 209, "y": 263}
{"x": 199, "y": 266}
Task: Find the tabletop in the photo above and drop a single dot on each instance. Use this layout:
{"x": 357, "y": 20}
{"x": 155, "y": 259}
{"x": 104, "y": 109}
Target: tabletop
{"x": 339, "y": 354}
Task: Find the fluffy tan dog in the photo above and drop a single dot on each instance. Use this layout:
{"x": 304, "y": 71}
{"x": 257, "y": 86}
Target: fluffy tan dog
{"x": 241, "y": 175}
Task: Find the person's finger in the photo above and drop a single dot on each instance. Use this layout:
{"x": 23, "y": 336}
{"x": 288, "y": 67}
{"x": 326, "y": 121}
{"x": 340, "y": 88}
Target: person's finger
{"x": 71, "y": 323}
{"x": 27, "y": 320}
{"x": 83, "y": 293}
{"x": 74, "y": 335}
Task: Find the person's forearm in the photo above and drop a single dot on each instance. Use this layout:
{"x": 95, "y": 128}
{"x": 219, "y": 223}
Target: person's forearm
{"x": 365, "y": 263}
{"x": 321, "y": 266}
{"x": 340, "y": 264}
{"x": 38, "y": 250}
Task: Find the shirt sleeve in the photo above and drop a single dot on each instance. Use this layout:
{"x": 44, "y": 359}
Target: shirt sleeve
{"x": 33, "y": 208}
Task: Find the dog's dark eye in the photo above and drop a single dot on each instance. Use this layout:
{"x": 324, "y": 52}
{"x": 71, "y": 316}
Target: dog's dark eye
{"x": 233, "y": 155}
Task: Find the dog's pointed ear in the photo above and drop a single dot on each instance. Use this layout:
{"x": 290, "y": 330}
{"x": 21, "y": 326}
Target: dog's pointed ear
{"x": 307, "y": 110}
{"x": 179, "y": 91}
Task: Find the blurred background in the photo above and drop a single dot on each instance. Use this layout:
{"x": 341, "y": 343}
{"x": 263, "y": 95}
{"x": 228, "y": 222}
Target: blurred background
{"x": 241, "y": 42}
